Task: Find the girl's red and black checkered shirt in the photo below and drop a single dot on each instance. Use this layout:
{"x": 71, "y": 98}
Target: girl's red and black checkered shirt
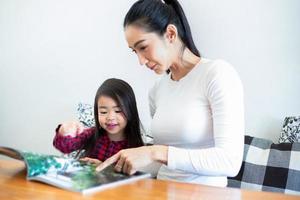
{"x": 103, "y": 149}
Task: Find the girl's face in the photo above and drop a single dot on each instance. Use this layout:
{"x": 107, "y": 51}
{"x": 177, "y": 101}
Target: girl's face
{"x": 151, "y": 49}
{"x": 111, "y": 118}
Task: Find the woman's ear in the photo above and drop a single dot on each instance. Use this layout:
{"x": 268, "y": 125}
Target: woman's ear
{"x": 171, "y": 33}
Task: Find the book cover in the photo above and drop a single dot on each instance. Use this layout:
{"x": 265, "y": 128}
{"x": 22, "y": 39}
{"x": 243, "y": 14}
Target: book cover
{"x": 69, "y": 173}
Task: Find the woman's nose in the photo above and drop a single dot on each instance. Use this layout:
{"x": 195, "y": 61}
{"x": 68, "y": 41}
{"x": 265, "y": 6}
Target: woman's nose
{"x": 142, "y": 59}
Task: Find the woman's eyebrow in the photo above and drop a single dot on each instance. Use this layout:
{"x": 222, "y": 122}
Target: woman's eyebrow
{"x": 137, "y": 43}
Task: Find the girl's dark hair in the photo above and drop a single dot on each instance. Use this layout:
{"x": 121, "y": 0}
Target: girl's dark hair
{"x": 155, "y": 16}
{"x": 122, "y": 93}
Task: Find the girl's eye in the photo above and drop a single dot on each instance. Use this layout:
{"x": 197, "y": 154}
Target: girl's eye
{"x": 134, "y": 51}
{"x": 118, "y": 111}
{"x": 103, "y": 113}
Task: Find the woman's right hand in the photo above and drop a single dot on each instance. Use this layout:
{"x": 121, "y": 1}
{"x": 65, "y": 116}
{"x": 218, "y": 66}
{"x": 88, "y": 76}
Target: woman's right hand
{"x": 129, "y": 161}
{"x": 92, "y": 161}
{"x": 71, "y": 128}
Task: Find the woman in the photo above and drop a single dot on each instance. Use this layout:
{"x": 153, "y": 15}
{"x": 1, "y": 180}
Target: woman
{"x": 197, "y": 106}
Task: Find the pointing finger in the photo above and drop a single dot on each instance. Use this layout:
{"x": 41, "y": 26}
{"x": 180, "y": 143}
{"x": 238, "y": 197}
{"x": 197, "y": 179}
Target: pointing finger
{"x": 108, "y": 162}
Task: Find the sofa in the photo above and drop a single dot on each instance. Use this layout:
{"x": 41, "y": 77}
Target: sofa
{"x": 269, "y": 166}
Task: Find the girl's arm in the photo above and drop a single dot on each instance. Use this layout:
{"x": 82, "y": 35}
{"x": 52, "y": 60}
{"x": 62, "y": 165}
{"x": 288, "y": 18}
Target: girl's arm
{"x": 71, "y": 136}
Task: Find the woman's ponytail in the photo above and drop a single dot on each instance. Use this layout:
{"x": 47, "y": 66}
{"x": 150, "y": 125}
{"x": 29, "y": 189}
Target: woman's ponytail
{"x": 186, "y": 31}
{"x": 155, "y": 16}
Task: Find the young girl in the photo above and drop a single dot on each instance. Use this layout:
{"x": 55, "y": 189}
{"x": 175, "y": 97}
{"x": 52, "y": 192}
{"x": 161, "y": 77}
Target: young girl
{"x": 117, "y": 124}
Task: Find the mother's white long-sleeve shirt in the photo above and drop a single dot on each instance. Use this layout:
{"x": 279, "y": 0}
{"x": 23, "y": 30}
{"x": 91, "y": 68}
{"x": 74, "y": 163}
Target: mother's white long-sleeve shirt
{"x": 201, "y": 119}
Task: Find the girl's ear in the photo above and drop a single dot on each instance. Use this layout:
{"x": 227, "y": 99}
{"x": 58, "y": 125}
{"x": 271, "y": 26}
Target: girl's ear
{"x": 171, "y": 33}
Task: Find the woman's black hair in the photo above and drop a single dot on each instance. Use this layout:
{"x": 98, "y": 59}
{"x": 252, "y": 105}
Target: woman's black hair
{"x": 155, "y": 16}
{"x": 122, "y": 93}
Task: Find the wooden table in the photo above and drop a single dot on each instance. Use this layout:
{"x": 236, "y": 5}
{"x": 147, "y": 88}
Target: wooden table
{"x": 13, "y": 185}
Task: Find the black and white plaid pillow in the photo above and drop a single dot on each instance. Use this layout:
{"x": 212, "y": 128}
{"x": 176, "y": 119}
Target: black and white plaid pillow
{"x": 269, "y": 167}
{"x": 290, "y": 130}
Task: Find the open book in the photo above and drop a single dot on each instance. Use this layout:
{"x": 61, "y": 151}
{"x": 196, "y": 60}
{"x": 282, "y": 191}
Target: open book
{"x": 69, "y": 173}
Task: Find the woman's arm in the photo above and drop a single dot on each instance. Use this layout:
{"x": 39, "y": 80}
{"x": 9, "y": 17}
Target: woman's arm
{"x": 130, "y": 160}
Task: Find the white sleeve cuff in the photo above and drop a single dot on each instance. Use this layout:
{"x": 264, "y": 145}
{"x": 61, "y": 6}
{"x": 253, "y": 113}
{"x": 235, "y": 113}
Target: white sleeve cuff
{"x": 177, "y": 158}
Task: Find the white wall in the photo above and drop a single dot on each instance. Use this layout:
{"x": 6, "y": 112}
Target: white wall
{"x": 54, "y": 54}
{"x": 261, "y": 39}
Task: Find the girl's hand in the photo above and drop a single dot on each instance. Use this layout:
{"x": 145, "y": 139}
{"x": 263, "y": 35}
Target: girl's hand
{"x": 129, "y": 160}
{"x": 91, "y": 161}
{"x": 71, "y": 128}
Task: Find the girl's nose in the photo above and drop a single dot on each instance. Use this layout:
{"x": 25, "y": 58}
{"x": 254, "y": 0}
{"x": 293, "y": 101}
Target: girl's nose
{"x": 142, "y": 59}
{"x": 111, "y": 116}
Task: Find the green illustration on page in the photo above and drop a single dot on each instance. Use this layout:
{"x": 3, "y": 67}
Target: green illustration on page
{"x": 67, "y": 172}
{"x": 38, "y": 164}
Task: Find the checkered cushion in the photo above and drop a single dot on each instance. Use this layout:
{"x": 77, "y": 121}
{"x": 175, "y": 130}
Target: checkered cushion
{"x": 269, "y": 167}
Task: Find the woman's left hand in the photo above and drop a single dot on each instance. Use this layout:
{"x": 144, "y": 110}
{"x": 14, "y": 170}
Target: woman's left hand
{"x": 129, "y": 160}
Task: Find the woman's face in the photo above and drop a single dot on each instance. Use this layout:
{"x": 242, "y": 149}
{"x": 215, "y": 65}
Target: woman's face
{"x": 151, "y": 49}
